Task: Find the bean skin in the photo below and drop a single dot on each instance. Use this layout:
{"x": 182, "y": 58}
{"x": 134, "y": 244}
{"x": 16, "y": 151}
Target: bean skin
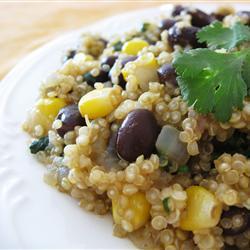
{"x": 200, "y": 18}
{"x": 228, "y": 247}
{"x": 234, "y": 211}
{"x": 110, "y": 61}
{"x": 128, "y": 59}
{"x": 217, "y": 16}
{"x": 177, "y": 10}
{"x": 103, "y": 76}
{"x": 185, "y": 36}
{"x": 70, "y": 117}
{"x": 166, "y": 73}
{"x": 166, "y": 24}
{"x": 121, "y": 79}
{"x": 137, "y": 135}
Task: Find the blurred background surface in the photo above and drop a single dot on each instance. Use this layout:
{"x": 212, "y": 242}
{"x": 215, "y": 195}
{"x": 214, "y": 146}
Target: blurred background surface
{"x": 26, "y": 26}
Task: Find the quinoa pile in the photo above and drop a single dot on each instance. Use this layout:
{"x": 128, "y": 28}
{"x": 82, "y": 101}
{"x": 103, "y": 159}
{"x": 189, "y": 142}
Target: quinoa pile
{"x": 115, "y": 133}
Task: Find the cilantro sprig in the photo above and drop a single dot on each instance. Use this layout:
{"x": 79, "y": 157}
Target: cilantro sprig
{"x": 216, "y": 36}
{"x": 216, "y": 82}
{"x": 213, "y": 82}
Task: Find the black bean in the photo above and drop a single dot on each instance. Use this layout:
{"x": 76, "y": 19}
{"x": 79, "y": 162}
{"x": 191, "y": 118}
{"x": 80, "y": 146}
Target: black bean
{"x": 245, "y": 14}
{"x": 70, "y": 54}
{"x": 166, "y": 24}
{"x": 177, "y": 10}
{"x": 238, "y": 142}
{"x": 166, "y": 73}
{"x": 200, "y": 18}
{"x": 121, "y": 79}
{"x": 189, "y": 34}
{"x": 70, "y": 117}
{"x": 137, "y": 135}
{"x": 230, "y": 214}
{"x": 217, "y": 16}
{"x": 228, "y": 247}
{"x": 110, "y": 61}
{"x": 128, "y": 59}
{"x": 185, "y": 36}
{"x": 103, "y": 76}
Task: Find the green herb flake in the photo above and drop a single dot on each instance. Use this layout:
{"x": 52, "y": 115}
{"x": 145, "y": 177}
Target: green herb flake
{"x": 213, "y": 82}
{"x": 145, "y": 27}
{"x": 89, "y": 78}
{"x": 165, "y": 203}
{"x": 39, "y": 145}
{"x": 216, "y": 36}
{"x": 118, "y": 46}
{"x": 183, "y": 169}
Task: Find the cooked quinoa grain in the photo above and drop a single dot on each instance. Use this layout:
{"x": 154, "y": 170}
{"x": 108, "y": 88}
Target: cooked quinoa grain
{"x": 116, "y": 134}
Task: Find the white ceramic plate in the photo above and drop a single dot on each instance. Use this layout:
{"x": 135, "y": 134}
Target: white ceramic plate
{"x": 32, "y": 214}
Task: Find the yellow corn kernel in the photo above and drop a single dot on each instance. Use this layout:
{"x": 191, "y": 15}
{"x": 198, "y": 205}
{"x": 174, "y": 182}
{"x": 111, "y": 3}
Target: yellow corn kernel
{"x": 143, "y": 70}
{"x": 146, "y": 60}
{"x": 133, "y": 46}
{"x": 99, "y": 102}
{"x": 50, "y": 106}
{"x": 203, "y": 209}
{"x": 139, "y": 207}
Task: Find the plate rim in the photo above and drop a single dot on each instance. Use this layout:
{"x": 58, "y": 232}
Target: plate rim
{"x": 32, "y": 57}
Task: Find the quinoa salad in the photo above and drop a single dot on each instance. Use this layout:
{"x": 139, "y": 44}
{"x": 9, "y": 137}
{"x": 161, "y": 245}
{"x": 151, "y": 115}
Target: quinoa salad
{"x": 153, "y": 127}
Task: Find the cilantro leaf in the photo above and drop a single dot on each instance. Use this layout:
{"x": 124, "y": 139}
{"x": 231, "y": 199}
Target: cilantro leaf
{"x": 246, "y": 72}
{"x": 216, "y": 36}
{"x": 213, "y": 82}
